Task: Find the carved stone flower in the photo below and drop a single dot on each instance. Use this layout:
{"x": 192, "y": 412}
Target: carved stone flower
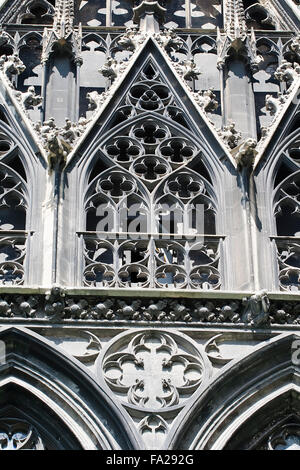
{"x": 27, "y": 305}
{"x": 76, "y": 309}
{"x": 154, "y": 310}
{"x": 5, "y": 308}
{"x": 103, "y": 310}
{"x": 130, "y": 310}
{"x": 179, "y": 311}
{"x": 205, "y": 312}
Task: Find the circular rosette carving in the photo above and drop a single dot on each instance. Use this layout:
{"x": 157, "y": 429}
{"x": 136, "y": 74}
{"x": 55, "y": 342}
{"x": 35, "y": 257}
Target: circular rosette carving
{"x": 150, "y": 168}
{"x": 123, "y": 150}
{"x": 153, "y": 369}
{"x": 150, "y": 97}
{"x": 185, "y": 186}
{"x": 205, "y": 277}
{"x": 150, "y": 134}
{"x": 115, "y": 185}
{"x": 177, "y": 151}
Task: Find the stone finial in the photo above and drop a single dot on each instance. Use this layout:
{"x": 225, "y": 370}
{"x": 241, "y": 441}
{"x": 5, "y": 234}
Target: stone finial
{"x": 149, "y": 15}
{"x": 63, "y": 18}
{"x": 234, "y": 18}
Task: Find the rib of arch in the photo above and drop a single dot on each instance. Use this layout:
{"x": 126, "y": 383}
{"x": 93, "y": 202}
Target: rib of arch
{"x": 242, "y": 400}
{"x": 51, "y": 390}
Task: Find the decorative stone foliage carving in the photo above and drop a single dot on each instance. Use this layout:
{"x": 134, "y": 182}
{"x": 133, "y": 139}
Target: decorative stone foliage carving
{"x": 153, "y": 369}
{"x": 274, "y": 105}
{"x": 112, "y": 68}
{"x": 59, "y": 141}
{"x": 287, "y": 72}
{"x": 11, "y": 65}
{"x": 169, "y": 40}
{"x": 188, "y": 69}
{"x": 246, "y": 153}
{"x": 131, "y": 39}
{"x": 29, "y": 98}
{"x": 295, "y": 46}
{"x": 57, "y": 305}
{"x": 230, "y": 135}
{"x": 55, "y": 301}
{"x": 207, "y": 100}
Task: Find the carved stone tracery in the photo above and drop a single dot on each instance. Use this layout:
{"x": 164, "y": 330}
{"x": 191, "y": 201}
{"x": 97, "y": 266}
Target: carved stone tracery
{"x": 153, "y": 371}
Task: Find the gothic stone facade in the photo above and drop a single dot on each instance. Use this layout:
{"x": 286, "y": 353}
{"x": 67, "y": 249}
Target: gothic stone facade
{"x": 149, "y": 224}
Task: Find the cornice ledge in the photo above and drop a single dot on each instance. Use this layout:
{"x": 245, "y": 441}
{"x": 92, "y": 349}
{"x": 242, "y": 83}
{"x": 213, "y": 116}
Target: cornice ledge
{"x": 60, "y": 305}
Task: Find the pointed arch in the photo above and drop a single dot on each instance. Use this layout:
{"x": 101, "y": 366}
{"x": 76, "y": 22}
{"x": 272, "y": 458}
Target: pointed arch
{"x": 64, "y": 390}
{"x": 152, "y": 131}
{"x": 236, "y": 394}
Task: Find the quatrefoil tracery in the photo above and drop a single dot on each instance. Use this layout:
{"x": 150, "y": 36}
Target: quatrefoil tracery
{"x": 149, "y": 150}
{"x": 153, "y": 370}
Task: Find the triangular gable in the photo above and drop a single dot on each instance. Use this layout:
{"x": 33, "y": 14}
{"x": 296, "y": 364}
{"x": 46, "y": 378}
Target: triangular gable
{"x": 17, "y": 121}
{"x": 280, "y": 128}
{"x": 196, "y": 120}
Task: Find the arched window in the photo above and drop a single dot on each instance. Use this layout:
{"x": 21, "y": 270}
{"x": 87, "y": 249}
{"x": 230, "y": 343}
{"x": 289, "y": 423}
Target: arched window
{"x": 287, "y": 212}
{"x": 14, "y": 237}
{"x": 150, "y": 204}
